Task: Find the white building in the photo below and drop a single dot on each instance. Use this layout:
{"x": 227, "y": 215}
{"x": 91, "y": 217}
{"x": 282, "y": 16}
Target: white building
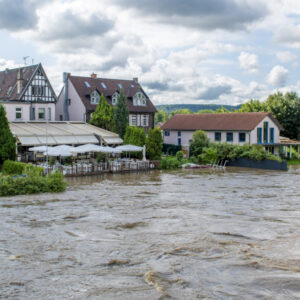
{"x": 235, "y": 128}
{"x": 27, "y": 94}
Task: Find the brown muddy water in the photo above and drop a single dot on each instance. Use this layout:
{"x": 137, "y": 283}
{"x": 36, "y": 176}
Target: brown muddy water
{"x": 187, "y": 234}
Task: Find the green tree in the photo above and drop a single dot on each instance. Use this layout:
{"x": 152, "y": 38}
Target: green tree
{"x": 154, "y": 143}
{"x": 222, "y": 110}
{"x": 134, "y": 136}
{"x": 205, "y": 111}
{"x": 103, "y": 115}
{"x": 7, "y": 141}
{"x": 199, "y": 142}
{"x": 286, "y": 109}
{"x": 121, "y": 115}
{"x": 180, "y": 111}
{"x": 253, "y": 106}
{"x": 161, "y": 116}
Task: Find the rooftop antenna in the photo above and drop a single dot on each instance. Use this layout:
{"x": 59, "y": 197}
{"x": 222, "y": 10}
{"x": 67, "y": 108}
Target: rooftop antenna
{"x": 25, "y": 58}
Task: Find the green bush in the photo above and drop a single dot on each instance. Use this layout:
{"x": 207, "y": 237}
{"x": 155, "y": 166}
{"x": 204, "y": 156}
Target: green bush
{"x": 31, "y": 184}
{"x": 179, "y": 155}
{"x": 18, "y": 168}
{"x": 101, "y": 157}
{"x": 171, "y": 162}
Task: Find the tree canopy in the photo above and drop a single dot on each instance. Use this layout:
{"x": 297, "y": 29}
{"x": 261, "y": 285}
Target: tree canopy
{"x": 121, "y": 115}
{"x": 7, "y": 141}
{"x": 199, "y": 142}
{"x": 134, "y": 136}
{"x": 103, "y": 115}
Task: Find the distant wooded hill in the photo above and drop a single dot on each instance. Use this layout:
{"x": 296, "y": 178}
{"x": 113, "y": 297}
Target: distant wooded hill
{"x": 194, "y": 107}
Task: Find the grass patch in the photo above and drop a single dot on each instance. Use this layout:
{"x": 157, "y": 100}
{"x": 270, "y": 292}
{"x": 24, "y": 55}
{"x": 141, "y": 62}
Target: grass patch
{"x": 293, "y": 162}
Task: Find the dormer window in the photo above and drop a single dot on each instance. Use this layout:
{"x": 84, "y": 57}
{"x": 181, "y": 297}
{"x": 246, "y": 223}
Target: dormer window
{"x": 139, "y": 99}
{"x": 103, "y": 85}
{"x": 94, "y": 97}
{"x": 87, "y": 84}
{"x": 114, "y": 98}
{"x": 9, "y": 91}
{"x": 120, "y": 86}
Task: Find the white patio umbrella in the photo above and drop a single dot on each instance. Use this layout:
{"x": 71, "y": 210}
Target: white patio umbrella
{"x": 87, "y": 148}
{"x": 129, "y": 148}
{"x": 40, "y": 148}
{"x": 58, "y": 152}
{"x": 108, "y": 149}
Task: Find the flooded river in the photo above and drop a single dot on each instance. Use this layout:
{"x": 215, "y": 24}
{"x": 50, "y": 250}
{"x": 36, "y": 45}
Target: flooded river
{"x": 187, "y": 234}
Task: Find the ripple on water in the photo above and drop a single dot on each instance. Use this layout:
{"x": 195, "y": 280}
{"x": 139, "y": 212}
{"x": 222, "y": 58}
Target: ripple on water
{"x": 186, "y": 234}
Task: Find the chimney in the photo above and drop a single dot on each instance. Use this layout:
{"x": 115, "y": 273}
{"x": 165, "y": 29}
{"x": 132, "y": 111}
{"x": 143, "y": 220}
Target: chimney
{"x": 94, "y": 75}
{"x": 135, "y": 79}
{"x": 20, "y": 81}
{"x": 66, "y": 94}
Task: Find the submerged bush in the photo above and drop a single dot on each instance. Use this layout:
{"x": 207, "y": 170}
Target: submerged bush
{"x": 31, "y": 184}
{"x": 171, "y": 162}
{"x": 18, "y": 168}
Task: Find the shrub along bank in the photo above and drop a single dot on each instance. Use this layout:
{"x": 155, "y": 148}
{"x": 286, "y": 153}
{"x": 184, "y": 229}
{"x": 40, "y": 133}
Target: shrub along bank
{"x": 28, "y": 179}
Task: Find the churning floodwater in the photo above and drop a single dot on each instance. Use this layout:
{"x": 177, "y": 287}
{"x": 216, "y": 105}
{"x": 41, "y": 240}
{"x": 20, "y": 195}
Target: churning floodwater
{"x": 187, "y": 234}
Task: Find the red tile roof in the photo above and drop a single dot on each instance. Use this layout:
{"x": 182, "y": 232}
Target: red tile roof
{"x": 225, "y": 121}
{"x": 8, "y": 81}
{"x": 130, "y": 88}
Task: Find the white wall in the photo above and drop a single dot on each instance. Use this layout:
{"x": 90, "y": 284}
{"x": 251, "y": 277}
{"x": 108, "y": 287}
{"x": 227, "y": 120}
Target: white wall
{"x": 77, "y": 111}
{"x": 261, "y": 125}
{"x": 186, "y": 136}
{"x": 10, "y": 109}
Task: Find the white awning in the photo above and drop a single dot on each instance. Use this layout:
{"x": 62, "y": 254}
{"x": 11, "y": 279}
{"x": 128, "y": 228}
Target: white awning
{"x": 112, "y": 140}
{"x": 29, "y": 140}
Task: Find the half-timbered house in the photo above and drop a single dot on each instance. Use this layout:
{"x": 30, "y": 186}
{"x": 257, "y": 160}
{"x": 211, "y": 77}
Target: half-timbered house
{"x": 27, "y": 94}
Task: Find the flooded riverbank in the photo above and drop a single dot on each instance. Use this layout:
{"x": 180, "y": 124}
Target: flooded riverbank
{"x": 186, "y": 234}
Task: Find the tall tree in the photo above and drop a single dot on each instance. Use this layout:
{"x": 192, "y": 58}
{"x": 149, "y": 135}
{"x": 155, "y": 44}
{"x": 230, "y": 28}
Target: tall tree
{"x": 121, "y": 115}
{"x": 7, "y": 141}
{"x": 103, "y": 115}
{"x": 154, "y": 144}
{"x": 286, "y": 109}
{"x": 199, "y": 142}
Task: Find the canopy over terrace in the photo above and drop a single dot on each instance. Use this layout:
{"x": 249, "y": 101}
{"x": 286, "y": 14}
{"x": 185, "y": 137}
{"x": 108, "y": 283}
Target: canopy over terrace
{"x": 58, "y": 133}
{"x": 286, "y": 142}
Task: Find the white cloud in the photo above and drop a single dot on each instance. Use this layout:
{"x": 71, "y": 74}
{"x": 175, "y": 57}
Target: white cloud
{"x": 278, "y": 76}
{"x": 287, "y": 57}
{"x": 249, "y": 62}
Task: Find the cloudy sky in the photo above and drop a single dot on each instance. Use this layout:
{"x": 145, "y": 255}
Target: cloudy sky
{"x": 182, "y": 51}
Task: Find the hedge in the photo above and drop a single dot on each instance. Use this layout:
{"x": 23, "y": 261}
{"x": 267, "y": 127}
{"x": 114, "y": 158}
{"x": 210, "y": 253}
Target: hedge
{"x": 18, "y": 168}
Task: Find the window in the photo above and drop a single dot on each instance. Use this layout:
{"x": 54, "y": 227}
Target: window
{"x": 49, "y": 113}
{"x": 37, "y": 90}
{"x": 242, "y": 137}
{"x": 114, "y": 98}
{"x": 94, "y": 98}
{"x": 271, "y": 135}
{"x": 179, "y": 133}
{"x": 133, "y": 120}
{"x": 87, "y": 84}
{"x": 103, "y": 85}
{"x": 120, "y": 86}
{"x": 41, "y": 113}
{"x": 69, "y": 101}
{"x": 139, "y": 99}
{"x": 167, "y": 133}
{"x": 218, "y": 136}
{"x": 229, "y": 137}
{"x": 145, "y": 120}
{"x": 259, "y": 135}
{"x": 266, "y": 125}
{"x": 32, "y": 113}
{"x": 18, "y": 113}
{"x": 179, "y": 141}
{"x": 60, "y": 117}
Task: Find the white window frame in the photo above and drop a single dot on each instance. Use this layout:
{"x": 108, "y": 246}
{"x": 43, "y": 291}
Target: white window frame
{"x": 145, "y": 121}
{"x": 39, "y": 109}
{"x": 139, "y": 99}
{"x": 114, "y": 99}
{"x": 21, "y": 112}
{"x": 133, "y": 120}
